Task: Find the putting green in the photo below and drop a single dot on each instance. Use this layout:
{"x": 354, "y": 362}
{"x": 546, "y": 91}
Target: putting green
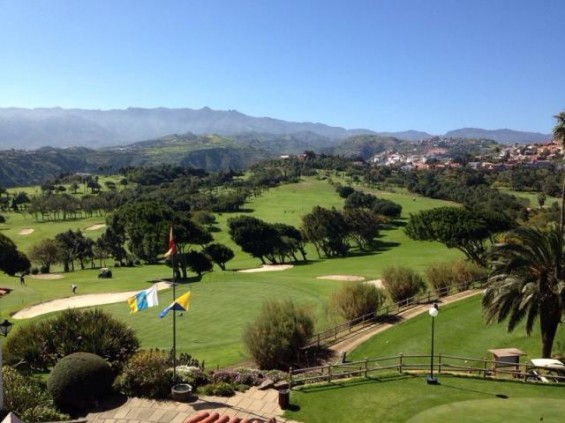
{"x": 495, "y": 410}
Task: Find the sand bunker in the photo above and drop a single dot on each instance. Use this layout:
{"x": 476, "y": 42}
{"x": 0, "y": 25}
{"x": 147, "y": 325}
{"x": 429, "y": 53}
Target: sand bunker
{"x": 26, "y": 231}
{"x": 349, "y": 278}
{"x": 47, "y": 276}
{"x": 268, "y": 268}
{"x": 78, "y": 301}
{"x": 377, "y": 282}
{"x": 96, "y": 227}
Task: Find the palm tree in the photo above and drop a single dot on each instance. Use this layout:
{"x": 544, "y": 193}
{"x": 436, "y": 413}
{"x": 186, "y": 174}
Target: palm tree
{"x": 559, "y": 128}
{"x": 559, "y": 135}
{"x": 527, "y": 282}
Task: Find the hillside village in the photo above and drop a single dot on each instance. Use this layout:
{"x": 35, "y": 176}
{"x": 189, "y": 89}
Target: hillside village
{"x": 444, "y": 152}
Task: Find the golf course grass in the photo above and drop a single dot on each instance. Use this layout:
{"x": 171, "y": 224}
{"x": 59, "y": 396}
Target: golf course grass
{"x": 407, "y": 398}
{"x": 223, "y": 303}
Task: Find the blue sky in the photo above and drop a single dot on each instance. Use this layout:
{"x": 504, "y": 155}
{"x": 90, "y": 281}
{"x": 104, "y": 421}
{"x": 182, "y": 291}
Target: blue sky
{"x": 386, "y": 65}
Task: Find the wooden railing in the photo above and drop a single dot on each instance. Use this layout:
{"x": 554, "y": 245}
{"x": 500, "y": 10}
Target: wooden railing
{"x": 443, "y": 364}
{"x": 337, "y": 333}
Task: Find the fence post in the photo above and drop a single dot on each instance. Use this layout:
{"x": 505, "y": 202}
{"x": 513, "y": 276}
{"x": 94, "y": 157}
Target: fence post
{"x": 366, "y": 368}
{"x": 484, "y": 368}
{"x": 329, "y": 373}
{"x": 290, "y": 378}
{"x": 400, "y": 363}
{"x": 439, "y": 363}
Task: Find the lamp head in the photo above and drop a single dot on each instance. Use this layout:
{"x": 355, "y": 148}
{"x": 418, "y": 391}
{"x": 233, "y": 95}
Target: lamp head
{"x": 434, "y": 310}
{"x": 5, "y": 327}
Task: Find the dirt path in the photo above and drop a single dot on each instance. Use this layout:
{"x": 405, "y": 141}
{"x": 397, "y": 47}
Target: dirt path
{"x": 360, "y": 337}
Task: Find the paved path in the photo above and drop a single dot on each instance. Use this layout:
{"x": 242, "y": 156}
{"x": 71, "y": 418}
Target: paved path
{"x": 252, "y": 404}
{"x": 357, "y": 338}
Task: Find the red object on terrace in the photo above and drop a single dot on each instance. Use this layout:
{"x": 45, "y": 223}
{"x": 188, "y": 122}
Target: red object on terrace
{"x": 214, "y": 417}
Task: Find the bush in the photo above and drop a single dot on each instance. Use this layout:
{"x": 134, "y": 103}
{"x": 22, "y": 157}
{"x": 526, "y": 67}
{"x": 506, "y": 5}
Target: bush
{"x": 43, "y": 343}
{"x": 441, "y": 278}
{"x": 402, "y": 283}
{"x": 79, "y": 380}
{"x": 192, "y": 375}
{"x": 220, "y": 389}
{"x": 465, "y": 272}
{"x": 28, "y": 398}
{"x": 27, "y": 344}
{"x": 356, "y": 299}
{"x": 34, "y": 271}
{"x": 145, "y": 375}
{"x": 460, "y": 273}
{"x": 278, "y": 333}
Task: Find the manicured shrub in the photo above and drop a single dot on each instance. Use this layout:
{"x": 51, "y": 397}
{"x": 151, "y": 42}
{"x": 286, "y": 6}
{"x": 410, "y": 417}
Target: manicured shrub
{"x": 79, "y": 380}
{"x": 28, "y": 398}
{"x": 402, "y": 283}
{"x": 278, "y": 333}
{"x": 145, "y": 375}
{"x": 356, "y": 299}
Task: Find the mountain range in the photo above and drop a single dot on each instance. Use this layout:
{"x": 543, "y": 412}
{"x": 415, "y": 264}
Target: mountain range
{"x": 30, "y": 129}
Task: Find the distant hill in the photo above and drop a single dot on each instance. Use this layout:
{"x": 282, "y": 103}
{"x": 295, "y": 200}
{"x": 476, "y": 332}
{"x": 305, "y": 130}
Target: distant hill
{"x": 504, "y": 136}
{"x": 30, "y": 129}
{"x": 34, "y": 128}
{"x": 407, "y": 135}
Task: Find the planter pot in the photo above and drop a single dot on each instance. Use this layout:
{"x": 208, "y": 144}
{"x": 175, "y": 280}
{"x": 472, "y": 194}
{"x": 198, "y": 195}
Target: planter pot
{"x": 182, "y": 392}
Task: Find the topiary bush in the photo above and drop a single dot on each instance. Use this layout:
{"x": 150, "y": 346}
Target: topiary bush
{"x": 145, "y": 375}
{"x": 28, "y": 398}
{"x": 79, "y": 380}
{"x": 278, "y": 333}
{"x": 356, "y": 299}
{"x": 402, "y": 283}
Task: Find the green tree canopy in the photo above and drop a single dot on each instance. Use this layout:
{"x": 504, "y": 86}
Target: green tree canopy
{"x": 458, "y": 228}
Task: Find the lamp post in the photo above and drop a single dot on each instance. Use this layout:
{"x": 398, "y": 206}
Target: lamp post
{"x": 5, "y": 328}
{"x": 433, "y": 312}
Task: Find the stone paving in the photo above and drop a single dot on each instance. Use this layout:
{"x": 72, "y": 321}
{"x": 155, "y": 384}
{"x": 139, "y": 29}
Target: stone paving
{"x": 260, "y": 405}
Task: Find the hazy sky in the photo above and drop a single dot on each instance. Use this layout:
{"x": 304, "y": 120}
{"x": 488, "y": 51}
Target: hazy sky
{"x": 386, "y": 65}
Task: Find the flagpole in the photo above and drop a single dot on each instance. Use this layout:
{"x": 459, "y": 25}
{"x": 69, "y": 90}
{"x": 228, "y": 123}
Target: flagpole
{"x": 174, "y": 319}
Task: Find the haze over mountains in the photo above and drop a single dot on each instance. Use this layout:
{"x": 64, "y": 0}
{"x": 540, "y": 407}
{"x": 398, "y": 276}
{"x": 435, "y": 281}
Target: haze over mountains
{"x": 30, "y": 129}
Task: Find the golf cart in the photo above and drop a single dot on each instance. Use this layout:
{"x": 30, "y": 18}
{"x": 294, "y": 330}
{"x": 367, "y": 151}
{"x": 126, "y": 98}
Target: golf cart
{"x": 105, "y": 273}
{"x": 545, "y": 370}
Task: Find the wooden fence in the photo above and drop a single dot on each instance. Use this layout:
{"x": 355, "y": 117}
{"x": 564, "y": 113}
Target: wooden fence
{"x": 385, "y": 366}
{"x": 341, "y": 331}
